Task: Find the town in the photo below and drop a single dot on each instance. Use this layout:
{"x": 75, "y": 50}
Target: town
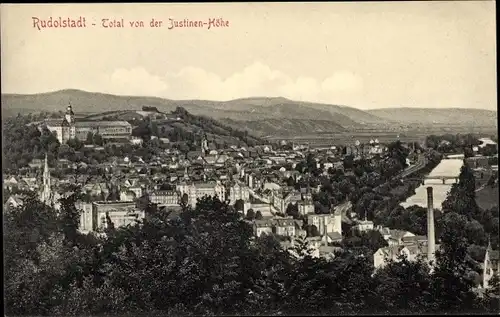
{"x": 327, "y": 199}
{"x": 276, "y": 159}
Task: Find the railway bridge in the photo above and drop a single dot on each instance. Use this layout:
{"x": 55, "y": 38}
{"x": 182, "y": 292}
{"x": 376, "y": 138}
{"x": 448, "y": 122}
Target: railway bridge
{"x": 442, "y": 178}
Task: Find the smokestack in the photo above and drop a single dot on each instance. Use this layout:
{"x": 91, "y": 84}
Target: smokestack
{"x": 431, "y": 239}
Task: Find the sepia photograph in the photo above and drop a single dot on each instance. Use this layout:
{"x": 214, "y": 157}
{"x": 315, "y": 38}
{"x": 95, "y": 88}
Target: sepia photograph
{"x": 239, "y": 159}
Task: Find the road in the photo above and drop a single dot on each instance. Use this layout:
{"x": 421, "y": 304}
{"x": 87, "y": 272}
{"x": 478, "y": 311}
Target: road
{"x": 421, "y": 162}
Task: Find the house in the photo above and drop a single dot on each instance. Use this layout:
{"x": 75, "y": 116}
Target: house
{"x": 262, "y": 226}
{"x": 165, "y": 197}
{"x": 491, "y": 265}
{"x": 284, "y": 227}
{"x": 199, "y": 190}
{"x": 10, "y": 182}
{"x": 412, "y": 239}
{"x": 306, "y": 205}
{"x": 238, "y": 191}
{"x": 86, "y": 217}
{"x": 331, "y": 238}
{"x": 210, "y": 159}
{"x": 326, "y": 223}
{"x": 136, "y": 141}
{"x": 194, "y": 155}
{"x": 363, "y": 225}
{"x": 14, "y": 201}
{"x": 396, "y": 237}
{"x": 282, "y": 197}
{"x": 121, "y": 213}
{"x": 127, "y": 195}
{"x": 412, "y": 252}
{"x": 36, "y": 163}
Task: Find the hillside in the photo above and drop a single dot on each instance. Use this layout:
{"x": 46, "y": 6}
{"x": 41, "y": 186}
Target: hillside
{"x": 431, "y": 116}
{"x": 241, "y": 109}
{"x": 287, "y": 127}
{"x": 265, "y": 116}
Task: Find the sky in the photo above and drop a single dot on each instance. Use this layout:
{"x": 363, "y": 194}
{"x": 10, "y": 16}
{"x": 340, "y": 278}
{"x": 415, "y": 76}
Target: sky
{"x": 366, "y": 55}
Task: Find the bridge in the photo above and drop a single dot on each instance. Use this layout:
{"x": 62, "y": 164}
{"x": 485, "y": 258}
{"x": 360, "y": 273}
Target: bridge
{"x": 442, "y": 178}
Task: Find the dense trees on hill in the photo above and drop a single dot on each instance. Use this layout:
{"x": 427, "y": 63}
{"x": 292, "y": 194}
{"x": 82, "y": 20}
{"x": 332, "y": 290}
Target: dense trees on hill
{"x": 452, "y": 143}
{"x": 206, "y": 262}
{"x": 367, "y": 183}
{"x": 211, "y": 126}
{"x": 23, "y": 143}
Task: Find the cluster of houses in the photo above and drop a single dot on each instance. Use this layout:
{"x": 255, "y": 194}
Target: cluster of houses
{"x": 258, "y": 176}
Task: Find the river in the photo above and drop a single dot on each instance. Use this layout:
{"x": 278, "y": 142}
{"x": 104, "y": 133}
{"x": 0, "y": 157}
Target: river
{"x": 447, "y": 167}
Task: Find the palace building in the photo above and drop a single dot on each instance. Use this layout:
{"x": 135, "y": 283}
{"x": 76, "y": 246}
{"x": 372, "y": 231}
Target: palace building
{"x": 66, "y": 128}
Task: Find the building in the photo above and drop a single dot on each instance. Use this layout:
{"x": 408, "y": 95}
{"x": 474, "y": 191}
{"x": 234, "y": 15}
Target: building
{"x": 238, "y": 191}
{"x": 121, "y": 213}
{"x": 199, "y": 190}
{"x": 413, "y": 247}
{"x": 14, "y": 201}
{"x": 106, "y": 129}
{"x": 306, "y": 205}
{"x": 262, "y": 227}
{"x": 284, "y": 227}
{"x": 85, "y": 216}
{"x": 491, "y": 265}
{"x": 165, "y": 197}
{"x": 66, "y": 128}
{"x": 127, "y": 195}
{"x": 326, "y": 223}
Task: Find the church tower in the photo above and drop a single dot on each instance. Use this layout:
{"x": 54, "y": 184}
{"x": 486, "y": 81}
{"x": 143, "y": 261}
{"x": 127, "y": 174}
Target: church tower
{"x": 204, "y": 145}
{"x": 70, "y": 119}
{"x": 46, "y": 194}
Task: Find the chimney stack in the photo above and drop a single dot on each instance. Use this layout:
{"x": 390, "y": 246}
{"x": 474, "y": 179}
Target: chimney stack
{"x": 431, "y": 239}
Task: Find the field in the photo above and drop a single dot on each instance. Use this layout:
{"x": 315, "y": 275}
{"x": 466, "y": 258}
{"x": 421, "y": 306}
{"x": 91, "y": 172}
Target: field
{"x": 383, "y": 134}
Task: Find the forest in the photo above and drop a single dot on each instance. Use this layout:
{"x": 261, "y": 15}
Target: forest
{"x": 206, "y": 262}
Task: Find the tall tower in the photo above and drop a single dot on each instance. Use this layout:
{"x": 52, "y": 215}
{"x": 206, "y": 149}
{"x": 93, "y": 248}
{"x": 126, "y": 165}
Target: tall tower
{"x": 204, "y": 145}
{"x": 70, "y": 119}
{"x": 431, "y": 239}
{"x": 45, "y": 196}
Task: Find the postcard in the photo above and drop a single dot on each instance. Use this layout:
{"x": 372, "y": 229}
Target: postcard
{"x": 250, "y": 158}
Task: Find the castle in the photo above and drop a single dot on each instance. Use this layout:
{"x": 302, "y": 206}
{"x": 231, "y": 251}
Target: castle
{"x": 68, "y": 129}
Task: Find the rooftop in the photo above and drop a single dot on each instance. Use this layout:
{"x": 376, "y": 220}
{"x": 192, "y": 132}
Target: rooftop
{"x": 93, "y": 124}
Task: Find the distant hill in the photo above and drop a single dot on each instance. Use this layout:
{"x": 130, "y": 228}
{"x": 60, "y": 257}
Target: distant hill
{"x": 279, "y": 116}
{"x": 240, "y": 109}
{"x": 430, "y": 116}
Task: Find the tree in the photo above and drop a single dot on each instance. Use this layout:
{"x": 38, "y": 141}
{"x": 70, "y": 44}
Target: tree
{"x": 250, "y": 214}
{"x": 97, "y": 139}
{"x": 258, "y": 215}
{"x": 184, "y": 199}
{"x": 398, "y": 152}
{"x": 312, "y": 231}
{"x": 462, "y": 197}
{"x": 403, "y": 287}
{"x": 239, "y": 205}
{"x": 292, "y": 210}
{"x": 451, "y": 289}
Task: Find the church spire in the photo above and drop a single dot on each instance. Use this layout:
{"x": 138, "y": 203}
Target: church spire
{"x": 45, "y": 196}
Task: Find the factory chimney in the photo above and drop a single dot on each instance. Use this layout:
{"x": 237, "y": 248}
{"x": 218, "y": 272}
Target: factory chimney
{"x": 431, "y": 239}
